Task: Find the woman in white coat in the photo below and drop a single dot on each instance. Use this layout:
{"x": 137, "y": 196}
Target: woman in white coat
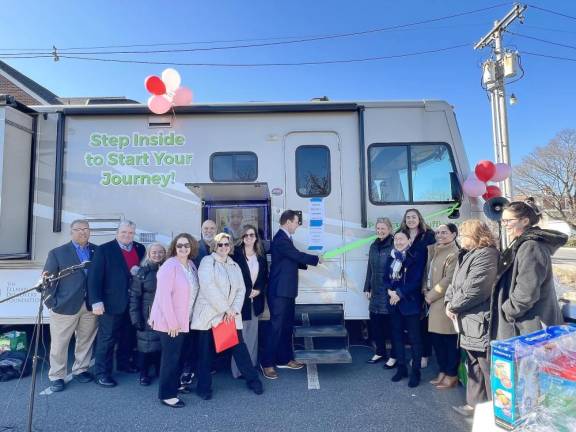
{"x": 220, "y": 297}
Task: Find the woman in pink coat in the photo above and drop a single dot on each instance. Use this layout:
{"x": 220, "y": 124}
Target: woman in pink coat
{"x": 176, "y": 292}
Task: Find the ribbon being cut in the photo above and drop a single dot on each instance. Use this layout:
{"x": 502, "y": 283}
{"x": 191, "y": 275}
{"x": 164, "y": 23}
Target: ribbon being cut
{"x": 361, "y": 242}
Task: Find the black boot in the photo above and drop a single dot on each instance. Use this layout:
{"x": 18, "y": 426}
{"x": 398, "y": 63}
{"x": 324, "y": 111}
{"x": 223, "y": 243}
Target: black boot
{"x": 414, "y": 378}
{"x": 401, "y": 372}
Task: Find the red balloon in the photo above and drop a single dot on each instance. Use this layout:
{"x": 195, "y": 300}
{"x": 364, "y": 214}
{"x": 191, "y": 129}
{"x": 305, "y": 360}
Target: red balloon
{"x": 485, "y": 170}
{"x": 492, "y": 192}
{"x": 155, "y": 85}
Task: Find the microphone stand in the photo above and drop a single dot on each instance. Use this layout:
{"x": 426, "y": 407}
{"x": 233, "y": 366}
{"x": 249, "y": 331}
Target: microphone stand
{"x": 41, "y": 287}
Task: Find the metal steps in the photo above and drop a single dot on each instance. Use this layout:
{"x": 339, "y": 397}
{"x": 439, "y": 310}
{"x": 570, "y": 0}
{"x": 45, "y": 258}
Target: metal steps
{"x": 320, "y": 335}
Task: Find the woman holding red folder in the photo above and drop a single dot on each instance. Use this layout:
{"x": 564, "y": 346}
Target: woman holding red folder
{"x": 220, "y": 298}
{"x": 177, "y": 288}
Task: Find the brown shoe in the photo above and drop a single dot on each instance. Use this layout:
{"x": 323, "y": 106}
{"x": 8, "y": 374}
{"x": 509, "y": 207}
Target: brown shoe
{"x": 292, "y": 364}
{"x": 438, "y": 379}
{"x": 447, "y": 383}
{"x": 269, "y": 372}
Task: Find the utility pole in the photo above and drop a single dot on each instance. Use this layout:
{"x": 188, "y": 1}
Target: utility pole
{"x": 495, "y": 71}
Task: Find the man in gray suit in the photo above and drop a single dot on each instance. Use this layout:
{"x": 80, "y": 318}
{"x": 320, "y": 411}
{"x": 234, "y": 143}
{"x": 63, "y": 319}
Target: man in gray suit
{"x": 69, "y": 313}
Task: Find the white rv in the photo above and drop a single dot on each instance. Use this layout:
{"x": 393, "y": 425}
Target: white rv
{"x": 342, "y": 165}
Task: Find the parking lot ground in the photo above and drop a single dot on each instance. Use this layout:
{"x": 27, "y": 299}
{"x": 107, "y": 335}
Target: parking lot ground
{"x": 351, "y": 397}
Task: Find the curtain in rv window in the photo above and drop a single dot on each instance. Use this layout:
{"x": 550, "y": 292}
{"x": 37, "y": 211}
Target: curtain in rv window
{"x": 410, "y": 173}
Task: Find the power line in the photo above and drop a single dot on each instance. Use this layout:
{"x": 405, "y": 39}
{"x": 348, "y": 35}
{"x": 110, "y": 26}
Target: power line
{"x": 548, "y": 56}
{"x": 295, "y": 41}
{"x": 542, "y": 40}
{"x": 552, "y": 12}
{"x": 307, "y": 63}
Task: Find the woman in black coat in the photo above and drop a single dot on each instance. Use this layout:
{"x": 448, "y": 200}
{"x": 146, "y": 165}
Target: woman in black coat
{"x": 524, "y": 300}
{"x": 250, "y": 257}
{"x": 376, "y": 292}
{"x": 421, "y": 236}
{"x": 142, "y": 293}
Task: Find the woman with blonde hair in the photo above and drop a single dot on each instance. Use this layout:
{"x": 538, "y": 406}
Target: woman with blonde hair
{"x": 467, "y": 303}
{"x": 221, "y": 297}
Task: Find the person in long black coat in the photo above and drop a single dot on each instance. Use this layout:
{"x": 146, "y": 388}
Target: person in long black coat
{"x": 142, "y": 294}
{"x": 250, "y": 257}
{"x": 376, "y": 292}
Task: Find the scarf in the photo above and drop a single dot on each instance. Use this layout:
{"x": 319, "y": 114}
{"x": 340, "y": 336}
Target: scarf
{"x": 397, "y": 263}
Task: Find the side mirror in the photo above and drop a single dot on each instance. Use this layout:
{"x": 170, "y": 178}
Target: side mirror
{"x": 457, "y": 194}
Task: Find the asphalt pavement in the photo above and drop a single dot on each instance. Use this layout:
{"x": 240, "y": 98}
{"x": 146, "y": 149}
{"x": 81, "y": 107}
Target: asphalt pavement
{"x": 356, "y": 396}
{"x": 565, "y": 256}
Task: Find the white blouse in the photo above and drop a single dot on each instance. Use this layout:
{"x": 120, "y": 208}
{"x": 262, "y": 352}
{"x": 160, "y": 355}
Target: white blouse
{"x": 254, "y": 267}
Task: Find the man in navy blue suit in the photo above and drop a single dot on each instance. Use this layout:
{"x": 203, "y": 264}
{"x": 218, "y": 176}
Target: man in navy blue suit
{"x": 282, "y": 292}
{"x": 109, "y": 280}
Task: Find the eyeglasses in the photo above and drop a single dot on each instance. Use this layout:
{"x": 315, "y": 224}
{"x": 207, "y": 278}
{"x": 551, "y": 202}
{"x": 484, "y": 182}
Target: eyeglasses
{"x": 223, "y": 244}
{"x": 183, "y": 245}
{"x": 80, "y": 229}
{"x": 507, "y": 221}
{"x": 249, "y": 235}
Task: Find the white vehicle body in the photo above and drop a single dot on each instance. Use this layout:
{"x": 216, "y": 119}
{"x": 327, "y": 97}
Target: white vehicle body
{"x": 102, "y": 163}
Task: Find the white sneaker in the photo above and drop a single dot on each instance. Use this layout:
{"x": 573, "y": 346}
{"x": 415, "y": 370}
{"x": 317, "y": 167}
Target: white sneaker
{"x": 424, "y": 363}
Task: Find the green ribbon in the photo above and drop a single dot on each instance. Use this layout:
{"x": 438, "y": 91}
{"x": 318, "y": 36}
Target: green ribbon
{"x": 356, "y": 244}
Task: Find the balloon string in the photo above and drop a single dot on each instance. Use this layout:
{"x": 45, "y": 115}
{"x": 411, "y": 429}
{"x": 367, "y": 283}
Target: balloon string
{"x": 361, "y": 242}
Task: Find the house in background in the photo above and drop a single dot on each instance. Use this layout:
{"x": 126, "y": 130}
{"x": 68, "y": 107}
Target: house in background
{"x": 29, "y": 92}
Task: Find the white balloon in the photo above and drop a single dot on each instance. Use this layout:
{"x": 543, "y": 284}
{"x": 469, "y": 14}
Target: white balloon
{"x": 171, "y": 79}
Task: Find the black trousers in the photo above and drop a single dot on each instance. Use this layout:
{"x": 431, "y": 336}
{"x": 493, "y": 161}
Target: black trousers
{"x": 447, "y": 352}
{"x": 170, "y": 365}
{"x": 189, "y": 352}
{"x": 279, "y": 350}
{"x": 147, "y": 360}
{"x": 380, "y": 332}
{"x": 110, "y": 329}
{"x": 478, "y": 387}
{"x": 206, "y": 353}
{"x": 412, "y": 325}
{"x": 125, "y": 350}
{"x": 426, "y": 340}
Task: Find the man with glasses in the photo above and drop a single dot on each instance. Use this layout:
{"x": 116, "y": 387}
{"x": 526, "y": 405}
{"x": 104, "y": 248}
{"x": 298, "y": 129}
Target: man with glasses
{"x": 108, "y": 283}
{"x": 69, "y": 312}
{"x": 282, "y": 293}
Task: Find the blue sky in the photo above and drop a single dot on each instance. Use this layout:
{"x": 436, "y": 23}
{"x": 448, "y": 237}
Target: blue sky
{"x": 546, "y": 94}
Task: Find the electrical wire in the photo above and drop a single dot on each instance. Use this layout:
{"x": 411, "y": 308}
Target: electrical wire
{"x": 247, "y": 65}
{"x": 552, "y": 12}
{"x": 542, "y": 40}
{"x": 548, "y": 56}
{"x": 264, "y": 44}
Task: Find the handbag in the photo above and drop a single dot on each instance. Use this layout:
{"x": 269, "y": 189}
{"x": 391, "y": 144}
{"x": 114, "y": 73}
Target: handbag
{"x": 225, "y": 335}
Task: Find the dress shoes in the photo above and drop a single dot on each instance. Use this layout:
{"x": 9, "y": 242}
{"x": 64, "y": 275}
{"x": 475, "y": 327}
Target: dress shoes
{"x": 414, "y": 379}
{"x": 447, "y": 383}
{"x": 401, "y": 372}
{"x": 390, "y": 364}
{"x": 186, "y": 378}
{"x": 204, "y": 395}
{"x": 84, "y": 377}
{"x": 464, "y": 410}
{"x": 105, "y": 381}
{"x": 376, "y": 359}
{"x": 177, "y": 404}
{"x": 184, "y": 389}
{"x": 144, "y": 381}
{"x": 292, "y": 364}
{"x": 269, "y": 373}
{"x": 57, "y": 385}
{"x": 256, "y": 386}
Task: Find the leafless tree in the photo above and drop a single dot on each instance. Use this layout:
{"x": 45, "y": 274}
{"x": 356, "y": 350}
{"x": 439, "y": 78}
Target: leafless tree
{"x": 549, "y": 175}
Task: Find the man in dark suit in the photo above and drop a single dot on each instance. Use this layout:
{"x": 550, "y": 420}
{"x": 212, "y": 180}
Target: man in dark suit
{"x": 282, "y": 293}
{"x": 108, "y": 284}
{"x": 70, "y": 313}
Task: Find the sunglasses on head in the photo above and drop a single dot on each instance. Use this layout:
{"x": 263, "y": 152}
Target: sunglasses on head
{"x": 183, "y": 245}
{"x": 222, "y": 244}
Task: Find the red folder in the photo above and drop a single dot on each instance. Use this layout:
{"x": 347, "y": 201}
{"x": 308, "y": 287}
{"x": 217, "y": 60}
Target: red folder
{"x": 225, "y": 335}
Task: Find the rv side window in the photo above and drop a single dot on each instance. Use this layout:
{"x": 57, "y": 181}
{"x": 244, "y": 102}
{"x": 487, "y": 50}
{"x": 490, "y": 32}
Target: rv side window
{"x": 410, "y": 173}
{"x": 234, "y": 167}
{"x": 313, "y": 171}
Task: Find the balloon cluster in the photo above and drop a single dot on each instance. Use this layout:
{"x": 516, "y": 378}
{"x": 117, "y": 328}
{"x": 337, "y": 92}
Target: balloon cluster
{"x": 166, "y": 91}
{"x": 485, "y": 171}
